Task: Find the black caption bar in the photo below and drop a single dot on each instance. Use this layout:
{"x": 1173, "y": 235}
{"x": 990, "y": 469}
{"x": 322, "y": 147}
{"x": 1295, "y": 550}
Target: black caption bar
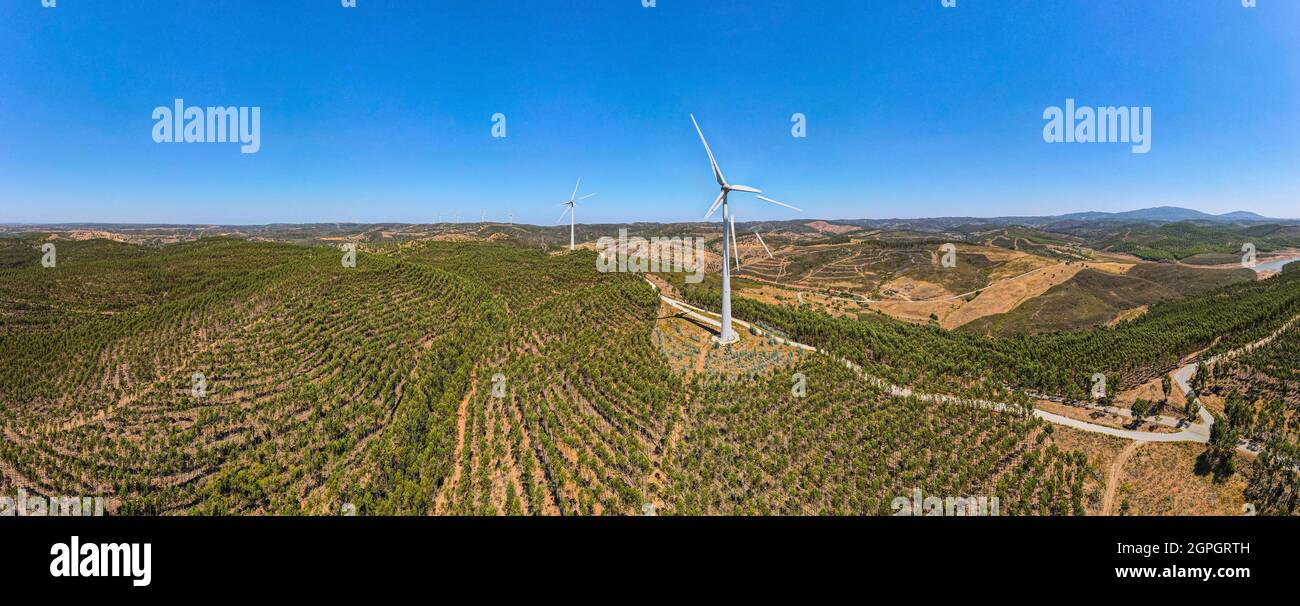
{"x": 306, "y": 556}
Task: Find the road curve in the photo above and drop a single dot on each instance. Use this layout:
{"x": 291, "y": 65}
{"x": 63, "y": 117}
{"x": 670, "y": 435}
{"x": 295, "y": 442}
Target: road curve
{"x": 1199, "y": 432}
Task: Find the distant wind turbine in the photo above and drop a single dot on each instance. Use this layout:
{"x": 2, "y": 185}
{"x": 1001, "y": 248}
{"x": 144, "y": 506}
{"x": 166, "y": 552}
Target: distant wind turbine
{"x": 734, "y": 240}
{"x": 726, "y": 335}
{"x": 569, "y": 208}
{"x": 760, "y": 241}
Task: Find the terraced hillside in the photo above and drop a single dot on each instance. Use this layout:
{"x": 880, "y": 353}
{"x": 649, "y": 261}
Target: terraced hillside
{"x": 446, "y": 378}
{"x": 1035, "y": 241}
{"x": 874, "y": 268}
{"x": 846, "y": 448}
{"x": 303, "y": 363}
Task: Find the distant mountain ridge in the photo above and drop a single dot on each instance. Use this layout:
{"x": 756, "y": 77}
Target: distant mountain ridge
{"x": 1158, "y": 214}
{"x": 1162, "y": 213}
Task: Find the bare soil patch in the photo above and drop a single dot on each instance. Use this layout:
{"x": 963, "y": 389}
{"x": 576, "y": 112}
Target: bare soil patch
{"x": 830, "y": 228}
{"x": 1161, "y": 479}
{"x": 1005, "y": 295}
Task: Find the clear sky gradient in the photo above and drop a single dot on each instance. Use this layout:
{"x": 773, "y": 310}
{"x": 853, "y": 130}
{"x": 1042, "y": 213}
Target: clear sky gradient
{"x": 383, "y": 112}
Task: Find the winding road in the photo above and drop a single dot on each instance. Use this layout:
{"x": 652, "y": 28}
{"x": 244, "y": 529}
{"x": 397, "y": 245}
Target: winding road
{"x": 1195, "y": 432}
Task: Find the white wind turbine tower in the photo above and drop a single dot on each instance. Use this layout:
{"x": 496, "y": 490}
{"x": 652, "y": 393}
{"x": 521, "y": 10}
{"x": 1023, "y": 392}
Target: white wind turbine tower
{"x": 726, "y": 335}
{"x": 569, "y": 209}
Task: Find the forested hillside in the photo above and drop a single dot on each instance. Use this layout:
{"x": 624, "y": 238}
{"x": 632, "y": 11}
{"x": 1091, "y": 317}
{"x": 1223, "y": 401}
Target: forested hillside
{"x": 1057, "y": 363}
{"x": 1183, "y": 240}
{"x": 446, "y": 378}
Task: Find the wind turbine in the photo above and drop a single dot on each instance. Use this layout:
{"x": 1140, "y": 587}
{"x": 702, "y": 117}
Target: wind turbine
{"x": 511, "y": 215}
{"x": 727, "y": 336}
{"x": 569, "y": 209}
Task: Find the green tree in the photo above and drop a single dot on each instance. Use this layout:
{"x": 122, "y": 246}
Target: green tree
{"x": 1141, "y": 408}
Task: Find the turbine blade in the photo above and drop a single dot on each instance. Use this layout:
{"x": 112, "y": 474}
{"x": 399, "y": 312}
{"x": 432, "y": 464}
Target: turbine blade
{"x": 760, "y": 241}
{"x": 716, "y": 203}
{"x": 717, "y": 172}
{"x": 767, "y": 199}
{"x": 744, "y": 188}
{"x": 566, "y": 211}
{"x": 575, "y": 189}
{"x": 735, "y": 248}
{"x": 588, "y": 196}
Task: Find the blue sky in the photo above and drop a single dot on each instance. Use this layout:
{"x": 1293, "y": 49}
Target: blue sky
{"x": 383, "y": 112}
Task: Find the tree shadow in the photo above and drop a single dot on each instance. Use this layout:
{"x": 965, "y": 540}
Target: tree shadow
{"x": 1218, "y": 468}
